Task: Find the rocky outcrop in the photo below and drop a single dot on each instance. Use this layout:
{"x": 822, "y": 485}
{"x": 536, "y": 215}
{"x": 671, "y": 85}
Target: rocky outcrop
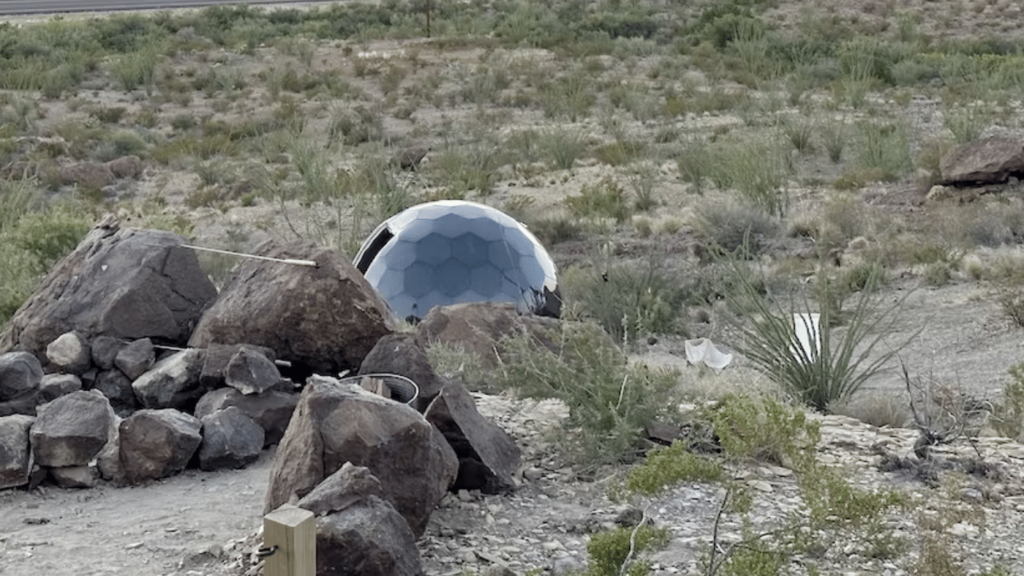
{"x": 71, "y": 430}
{"x": 401, "y": 354}
{"x": 15, "y": 450}
{"x": 488, "y": 456}
{"x": 230, "y": 440}
{"x": 986, "y": 161}
{"x": 118, "y": 282}
{"x": 334, "y": 424}
{"x": 322, "y": 319}
{"x": 157, "y": 443}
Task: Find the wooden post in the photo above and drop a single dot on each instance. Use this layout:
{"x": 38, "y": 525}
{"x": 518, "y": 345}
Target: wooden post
{"x": 289, "y": 540}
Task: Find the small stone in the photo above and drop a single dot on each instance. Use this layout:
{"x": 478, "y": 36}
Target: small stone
{"x": 760, "y": 485}
{"x": 533, "y": 474}
{"x": 963, "y": 529}
{"x": 972, "y": 496}
{"x": 552, "y": 546}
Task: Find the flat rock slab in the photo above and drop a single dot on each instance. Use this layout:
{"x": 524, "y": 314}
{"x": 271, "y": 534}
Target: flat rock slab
{"x": 986, "y": 161}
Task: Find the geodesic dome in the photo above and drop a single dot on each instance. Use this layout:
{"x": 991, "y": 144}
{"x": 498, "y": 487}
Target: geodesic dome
{"x": 453, "y": 251}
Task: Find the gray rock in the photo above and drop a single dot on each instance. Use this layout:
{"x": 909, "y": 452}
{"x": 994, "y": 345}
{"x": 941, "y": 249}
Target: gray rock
{"x": 75, "y": 476}
{"x": 157, "y": 443}
{"x": 566, "y": 566}
{"x": 24, "y": 404}
{"x": 54, "y": 386}
{"x": 335, "y": 423}
{"x": 488, "y": 456}
{"x": 71, "y": 430}
{"x": 250, "y": 372}
{"x": 324, "y": 319}
{"x": 217, "y": 358}
{"x": 136, "y": 358}
{"x": 20, "y": 373}
{"x": 985, "y": 161}
{"x": 70, "y": 353}
{"x": 15, "y": 450}
{"x": 118, "y": 389}
{"x": 272, "y": 410}
{"x": 230, "y": 440}
{"x": 346, "y": 487}
{"x": 86, "y": 175}
{"x": 172, "y": 382}
{"x": 118, "y": 282}
{"x": 125, "y": 167}
{"x": 401, "y": 354}
{"x": 108, "y": 461}
{"x": 105, "y": 349}
{"x": 368, "y": 538}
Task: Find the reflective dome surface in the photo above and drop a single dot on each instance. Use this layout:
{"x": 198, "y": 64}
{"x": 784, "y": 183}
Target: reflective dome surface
{"x": 454, "y": 251}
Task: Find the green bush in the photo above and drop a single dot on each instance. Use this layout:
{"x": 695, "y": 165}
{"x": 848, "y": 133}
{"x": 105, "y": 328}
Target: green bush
{"x": 32, "y": 238}
{"x": 610, "y": 401}
{"x": 630, "y": 301}
{"x": 602, "y": 199}
{"x": 609, "y": 550}
{"x": 762, "y": 428}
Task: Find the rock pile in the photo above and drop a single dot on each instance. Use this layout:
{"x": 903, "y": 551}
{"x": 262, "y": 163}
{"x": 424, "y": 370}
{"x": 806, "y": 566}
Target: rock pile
{"x": 127, "y": 366}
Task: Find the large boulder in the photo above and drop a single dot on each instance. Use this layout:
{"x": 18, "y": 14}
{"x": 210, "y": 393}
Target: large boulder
{"x": 322, "y": 319}
{"x": 358, "y": 532}
{"x": 987, "y": 161}
{"x": 230, "y": 440}
{"x": 121, "y": 283}
{"x": 15, "y": 450}
{"x": 271, "y": 410}
{"x": 157, "y": 443}
{"x": 488, "y": 456}
{"x": 71, "y": 430}
{"x": 401, "y": 354}
{"x": 172, "y": 382}
{"x": 336, "y": 423}
{"x": 479, "y": 327}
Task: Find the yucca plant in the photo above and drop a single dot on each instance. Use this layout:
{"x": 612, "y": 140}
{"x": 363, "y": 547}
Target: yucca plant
{"x": 827, "y": 365}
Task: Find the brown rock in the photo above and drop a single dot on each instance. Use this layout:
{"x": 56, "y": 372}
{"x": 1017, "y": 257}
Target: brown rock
{"x": 334, "y": 424}
{"x": 86, "y": 175}
{"x": 125, "y": 167}
{"x": 323, "y": 319}
{"x": 985, "y": 161}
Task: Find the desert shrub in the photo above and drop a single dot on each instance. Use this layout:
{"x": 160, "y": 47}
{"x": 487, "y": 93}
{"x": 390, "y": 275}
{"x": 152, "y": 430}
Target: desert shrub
{"x": 609, "y": 550}
{"x": 136, "y": 69}
{"x": 610, "y": 401}
{"x": 762, "y": 428}
{"x": 562, "y": 146}
{"x": 630, "y": 301}
{"x": 602, "y": 199}
{"x": 816, "y": 375}
{"x": 885, "y": 148}
{"x": 33, "y": 236}
{"x": 1008, "y": 411}
{"x": 353, "y": 126}
{"x": 757, "y": 171}
{"x": 695, "y": 164}
{"x": 736, "y": 227}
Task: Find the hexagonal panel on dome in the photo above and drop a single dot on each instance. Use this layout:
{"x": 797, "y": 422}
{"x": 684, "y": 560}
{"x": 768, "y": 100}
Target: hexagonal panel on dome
{"x": 450, "y": 252}
{"x": 470, "y": 249}
{"x": 433, "y": 249}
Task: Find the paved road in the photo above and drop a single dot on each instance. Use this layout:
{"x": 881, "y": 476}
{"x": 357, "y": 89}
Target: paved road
{"x": 57, "y": 6}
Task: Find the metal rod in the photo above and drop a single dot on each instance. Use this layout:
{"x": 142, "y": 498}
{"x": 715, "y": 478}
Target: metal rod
{"x": 241, "y": 255}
